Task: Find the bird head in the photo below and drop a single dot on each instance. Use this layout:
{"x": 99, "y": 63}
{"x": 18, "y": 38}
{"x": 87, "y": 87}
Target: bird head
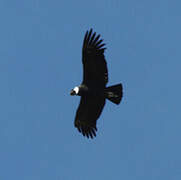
{"x": 74, "y": 91}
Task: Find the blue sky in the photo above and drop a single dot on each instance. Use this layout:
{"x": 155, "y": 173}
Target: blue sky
{"x": 40, "y": 61}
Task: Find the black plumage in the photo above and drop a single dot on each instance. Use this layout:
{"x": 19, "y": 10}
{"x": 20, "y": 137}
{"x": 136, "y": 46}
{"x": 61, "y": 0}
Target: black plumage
{"x": 93, "y": 89}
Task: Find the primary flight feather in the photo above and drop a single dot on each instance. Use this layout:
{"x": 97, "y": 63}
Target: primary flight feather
{"x": 93, "y": 90}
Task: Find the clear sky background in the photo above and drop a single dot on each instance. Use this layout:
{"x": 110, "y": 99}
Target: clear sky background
{"x": 40, "y": 61}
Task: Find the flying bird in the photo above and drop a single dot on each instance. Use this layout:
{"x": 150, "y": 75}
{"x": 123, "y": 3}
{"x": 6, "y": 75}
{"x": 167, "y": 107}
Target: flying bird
{"x": 93, "y": 90}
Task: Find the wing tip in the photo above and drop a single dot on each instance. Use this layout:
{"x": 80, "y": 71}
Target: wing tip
{"x": 91, "y": 39}
{"x": 86, "y": 131}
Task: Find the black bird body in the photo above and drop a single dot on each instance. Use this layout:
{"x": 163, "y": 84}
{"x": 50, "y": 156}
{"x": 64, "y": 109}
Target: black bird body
{"x": 93, "y": 90}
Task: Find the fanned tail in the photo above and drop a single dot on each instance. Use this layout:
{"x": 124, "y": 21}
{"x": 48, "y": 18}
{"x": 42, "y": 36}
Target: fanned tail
{"x": 114, "y": 93}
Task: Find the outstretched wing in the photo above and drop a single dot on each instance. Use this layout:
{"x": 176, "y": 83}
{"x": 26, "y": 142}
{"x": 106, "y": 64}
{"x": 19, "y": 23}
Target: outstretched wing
{"x": 87, "y": 114}
{"x": 94, "y": 64}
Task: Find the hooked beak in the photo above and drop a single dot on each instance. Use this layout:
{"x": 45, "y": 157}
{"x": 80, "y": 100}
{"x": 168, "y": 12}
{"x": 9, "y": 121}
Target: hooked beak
{"x": 72, "y": 92}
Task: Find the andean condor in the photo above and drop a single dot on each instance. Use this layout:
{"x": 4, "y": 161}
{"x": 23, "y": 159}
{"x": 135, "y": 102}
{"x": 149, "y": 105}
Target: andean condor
{"x": 93, "y": 90}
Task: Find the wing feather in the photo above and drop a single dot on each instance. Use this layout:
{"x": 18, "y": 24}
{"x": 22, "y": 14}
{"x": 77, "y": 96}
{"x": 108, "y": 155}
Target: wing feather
{"x": 95, "y": 71}
{"x": 96, "y": 39}
{"x": 87, "y": 114}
